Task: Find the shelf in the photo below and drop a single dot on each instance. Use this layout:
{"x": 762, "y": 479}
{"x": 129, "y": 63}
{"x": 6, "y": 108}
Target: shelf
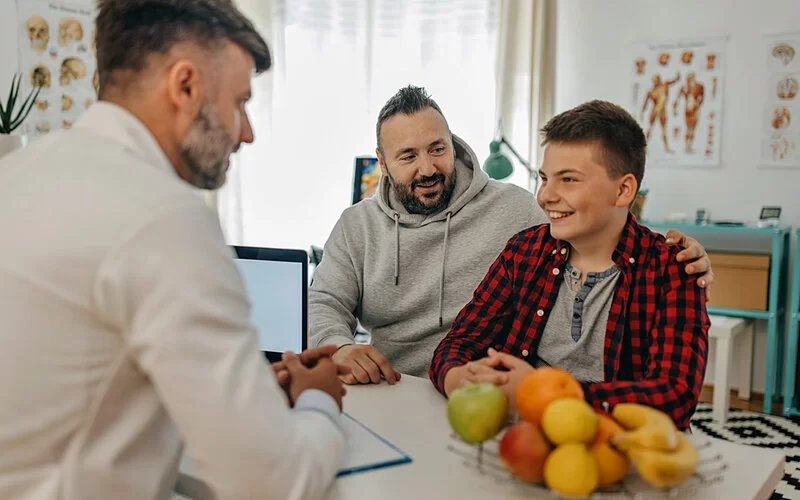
{"x": 712, "y": 228}
{"x": 739, "y": 313}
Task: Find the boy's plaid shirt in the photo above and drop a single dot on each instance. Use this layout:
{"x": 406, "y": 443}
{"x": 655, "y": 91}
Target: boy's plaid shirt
{"x": 657, "y": 338}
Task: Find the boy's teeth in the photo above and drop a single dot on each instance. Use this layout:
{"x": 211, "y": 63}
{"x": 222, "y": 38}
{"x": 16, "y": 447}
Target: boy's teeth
{"x": 557, "y": 215}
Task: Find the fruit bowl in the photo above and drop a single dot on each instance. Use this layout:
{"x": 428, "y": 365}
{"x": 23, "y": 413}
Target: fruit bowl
{"x": 484, "y": 459}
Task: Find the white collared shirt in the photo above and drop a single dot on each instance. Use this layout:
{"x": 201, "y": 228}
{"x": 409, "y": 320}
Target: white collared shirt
{"x": 124, "y": 331}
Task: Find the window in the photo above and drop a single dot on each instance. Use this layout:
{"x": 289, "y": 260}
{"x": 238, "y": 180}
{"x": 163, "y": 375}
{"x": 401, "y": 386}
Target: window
{"x": 336, "y": 64}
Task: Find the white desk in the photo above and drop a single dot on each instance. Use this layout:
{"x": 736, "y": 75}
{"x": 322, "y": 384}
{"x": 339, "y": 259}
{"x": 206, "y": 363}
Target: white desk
{"x": 412, "y": 416}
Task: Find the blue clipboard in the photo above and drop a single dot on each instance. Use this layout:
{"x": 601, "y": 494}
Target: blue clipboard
{"x": 366, "y": 450}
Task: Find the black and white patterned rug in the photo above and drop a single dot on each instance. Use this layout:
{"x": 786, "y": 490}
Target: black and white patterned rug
{"x": 757, "y": 429}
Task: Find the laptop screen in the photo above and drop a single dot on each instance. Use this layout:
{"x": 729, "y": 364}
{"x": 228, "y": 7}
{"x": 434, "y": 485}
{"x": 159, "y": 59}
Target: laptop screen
{"x": 276, "y": 283}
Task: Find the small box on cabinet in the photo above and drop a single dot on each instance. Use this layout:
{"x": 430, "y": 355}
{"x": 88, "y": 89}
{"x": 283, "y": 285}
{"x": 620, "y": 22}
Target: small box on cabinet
{"x": 741, "y": 280}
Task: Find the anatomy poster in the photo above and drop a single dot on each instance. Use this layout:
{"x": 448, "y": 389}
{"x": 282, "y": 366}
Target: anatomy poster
{"x": 56, "y": 52}
{"x": 677, "y": 98}
{"x": 780, "y": 139}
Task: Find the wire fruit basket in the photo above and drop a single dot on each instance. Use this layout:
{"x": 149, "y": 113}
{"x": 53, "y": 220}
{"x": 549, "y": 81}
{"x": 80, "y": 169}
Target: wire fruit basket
{"x": 484, "y": 459}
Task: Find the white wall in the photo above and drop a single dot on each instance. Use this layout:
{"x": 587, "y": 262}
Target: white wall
{"x": 9, "y": 56}
{"x": 593, "y": 58}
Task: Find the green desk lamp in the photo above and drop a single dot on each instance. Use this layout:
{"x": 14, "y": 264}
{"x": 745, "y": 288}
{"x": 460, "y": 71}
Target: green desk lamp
{"x": 498, "y": 166}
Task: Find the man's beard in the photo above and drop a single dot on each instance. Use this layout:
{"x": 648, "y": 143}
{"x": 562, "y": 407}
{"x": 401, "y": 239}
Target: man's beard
{"x": 414, "y": 204}
{"x": 207, "y": 150}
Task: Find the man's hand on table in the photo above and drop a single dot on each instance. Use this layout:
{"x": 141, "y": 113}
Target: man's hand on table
{"x": 366, "y": 365}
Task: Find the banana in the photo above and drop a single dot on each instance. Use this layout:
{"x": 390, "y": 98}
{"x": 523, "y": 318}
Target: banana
{"x": 666, "y": 469}
{"x": 648, "y": 428}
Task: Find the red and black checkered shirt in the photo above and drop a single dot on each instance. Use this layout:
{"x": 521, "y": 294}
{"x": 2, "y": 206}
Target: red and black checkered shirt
{"x": 657, "y": 337}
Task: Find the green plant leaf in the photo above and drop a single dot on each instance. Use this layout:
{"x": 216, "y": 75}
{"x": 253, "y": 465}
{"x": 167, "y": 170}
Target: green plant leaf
{"x": 26, "y": 107}
{"x": 12, "y": 99}
{"x": 6, "y": 116}
{"x": 9, "y": 121}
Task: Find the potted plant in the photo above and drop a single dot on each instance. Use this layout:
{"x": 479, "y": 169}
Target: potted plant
{"x": 638, "y": 203}
{"x": 11, "y": 116}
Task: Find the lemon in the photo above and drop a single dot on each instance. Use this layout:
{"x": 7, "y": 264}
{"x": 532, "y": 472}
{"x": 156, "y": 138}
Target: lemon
{"x": 570, "y": 420}
{"x": 571, "y": 470}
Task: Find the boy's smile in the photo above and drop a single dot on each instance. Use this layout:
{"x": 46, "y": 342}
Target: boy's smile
{"x": 558, "y": 216}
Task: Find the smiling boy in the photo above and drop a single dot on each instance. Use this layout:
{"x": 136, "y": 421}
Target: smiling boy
{"x": 592, "y": 292}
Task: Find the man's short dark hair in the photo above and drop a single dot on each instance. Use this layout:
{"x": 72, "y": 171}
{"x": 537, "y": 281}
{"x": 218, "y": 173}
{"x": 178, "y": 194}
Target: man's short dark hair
{"x": 128, "y": 31}
{"x": 408, "y": 100}
{"x": 622, "y": 141}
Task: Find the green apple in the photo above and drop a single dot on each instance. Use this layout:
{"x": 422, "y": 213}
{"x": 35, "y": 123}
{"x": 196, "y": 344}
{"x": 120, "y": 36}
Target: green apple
{"x": 477, "y": 412}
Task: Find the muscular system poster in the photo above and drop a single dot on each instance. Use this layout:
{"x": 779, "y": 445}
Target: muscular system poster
{"x": 780, "y": 139}
{"x": 677, "y": 97}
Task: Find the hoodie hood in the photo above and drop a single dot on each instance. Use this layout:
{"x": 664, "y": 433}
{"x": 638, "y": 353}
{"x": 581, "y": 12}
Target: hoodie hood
{"x": 470, "y": 180}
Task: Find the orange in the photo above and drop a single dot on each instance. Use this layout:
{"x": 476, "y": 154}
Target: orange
{"x": 612, "y": 465}
{"x": 607, "y": 428}
{"x": 540, "y": 388}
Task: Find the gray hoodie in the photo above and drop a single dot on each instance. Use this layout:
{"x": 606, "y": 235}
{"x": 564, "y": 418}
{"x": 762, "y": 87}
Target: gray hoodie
{"x": 406, "y": 276}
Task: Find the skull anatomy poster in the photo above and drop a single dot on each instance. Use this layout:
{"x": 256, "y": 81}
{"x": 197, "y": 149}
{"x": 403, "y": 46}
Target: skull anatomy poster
{"x": 56, "y": 53}
{"x": 677, "y": 98}
{"x": 780, "y": 120}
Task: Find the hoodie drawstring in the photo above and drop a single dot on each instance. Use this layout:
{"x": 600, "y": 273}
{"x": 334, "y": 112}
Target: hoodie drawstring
{"x": 444, "y": 260}
{"x": 396, "y": 248}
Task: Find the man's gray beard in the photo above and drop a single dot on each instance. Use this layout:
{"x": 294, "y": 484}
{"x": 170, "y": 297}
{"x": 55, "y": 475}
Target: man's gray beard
{"x": 206, "y": 150}
{"x": 413, "y": 205}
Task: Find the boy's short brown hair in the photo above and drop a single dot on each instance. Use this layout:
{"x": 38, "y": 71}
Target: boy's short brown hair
{"x": 128, "y": 31}
{"x": 622, "y": 142}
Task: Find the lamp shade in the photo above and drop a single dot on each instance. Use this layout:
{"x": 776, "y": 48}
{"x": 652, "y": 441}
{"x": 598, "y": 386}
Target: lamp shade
{"x": 497, "y": 166}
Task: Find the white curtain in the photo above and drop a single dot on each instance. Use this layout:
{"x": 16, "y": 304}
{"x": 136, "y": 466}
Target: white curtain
{"x": 336, "y": 62}
{"x": 525, "y": 79}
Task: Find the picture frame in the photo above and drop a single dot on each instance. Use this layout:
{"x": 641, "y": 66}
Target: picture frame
{"x": 770, "y": 212}
{"x": 366, "y": 175}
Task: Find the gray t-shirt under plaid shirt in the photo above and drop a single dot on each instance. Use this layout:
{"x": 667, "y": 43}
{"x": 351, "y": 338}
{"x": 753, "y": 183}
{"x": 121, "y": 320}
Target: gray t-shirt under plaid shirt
{"x": 575, "y": 333}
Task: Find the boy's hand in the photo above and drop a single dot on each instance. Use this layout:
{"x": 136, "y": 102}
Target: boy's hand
{"x": 513, "y": 367}
{"x": 695, "y": 256}
{"x": 473, "y": 373}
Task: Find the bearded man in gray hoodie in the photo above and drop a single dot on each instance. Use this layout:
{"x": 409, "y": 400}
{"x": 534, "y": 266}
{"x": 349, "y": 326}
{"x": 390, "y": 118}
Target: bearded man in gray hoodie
{"x": 406, "y": 260}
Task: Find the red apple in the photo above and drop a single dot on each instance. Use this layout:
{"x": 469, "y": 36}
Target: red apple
{"x": 523, "y": 450}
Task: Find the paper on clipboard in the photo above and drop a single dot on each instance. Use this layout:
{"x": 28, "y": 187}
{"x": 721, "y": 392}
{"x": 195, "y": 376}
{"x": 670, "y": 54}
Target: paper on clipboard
{"x": 365, "y": 450}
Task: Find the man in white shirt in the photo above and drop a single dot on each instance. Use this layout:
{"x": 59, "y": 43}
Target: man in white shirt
{"x": 124, "y": 322}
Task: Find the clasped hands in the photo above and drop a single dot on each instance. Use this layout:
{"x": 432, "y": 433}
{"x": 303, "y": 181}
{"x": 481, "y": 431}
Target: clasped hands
{"x": 498, "y": 368}
{"x": 311, "y": 369}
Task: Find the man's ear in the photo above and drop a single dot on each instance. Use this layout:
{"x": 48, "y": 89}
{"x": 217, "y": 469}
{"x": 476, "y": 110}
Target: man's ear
{"x": 626, "y": 192}
{"x": 381, "y": 162}
{"x": 186, "y": 87}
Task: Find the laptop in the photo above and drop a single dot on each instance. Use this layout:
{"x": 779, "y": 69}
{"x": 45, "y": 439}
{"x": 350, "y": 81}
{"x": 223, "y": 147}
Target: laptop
{"x": 276, "y": 280}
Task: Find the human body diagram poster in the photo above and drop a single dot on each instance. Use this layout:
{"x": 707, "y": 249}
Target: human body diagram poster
{"x": 56, "y": 52}
{"x": 677, "y": 99}
{"x": 780, "y": 141}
